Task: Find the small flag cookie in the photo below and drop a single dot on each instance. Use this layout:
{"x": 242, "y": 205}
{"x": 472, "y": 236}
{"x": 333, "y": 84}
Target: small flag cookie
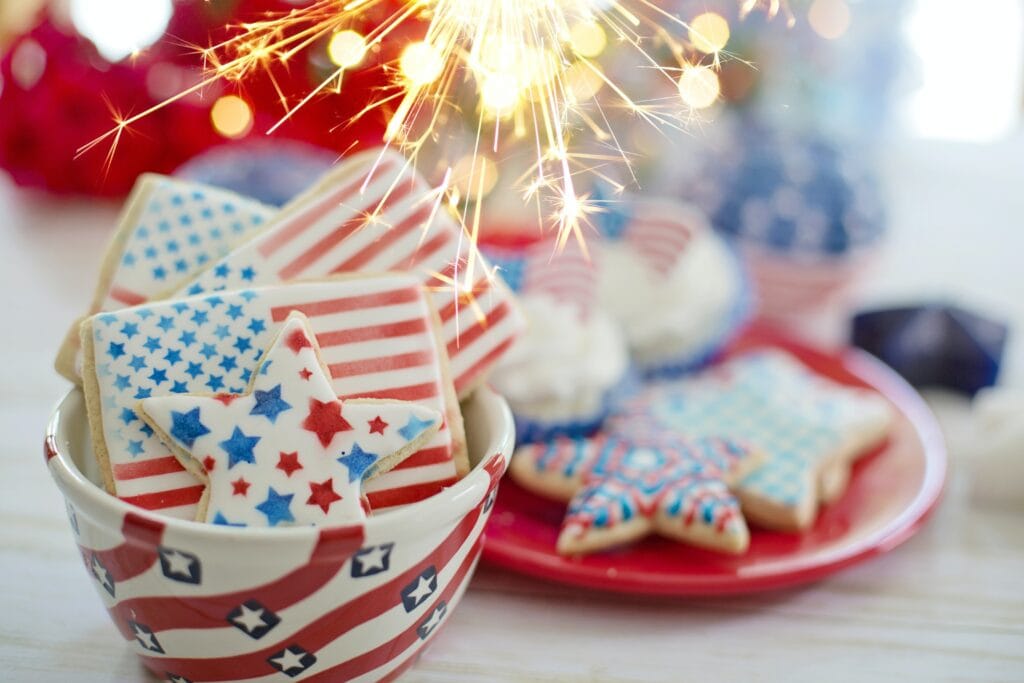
{"x": 374, "y": 213}
{"x": 287, "y": 452}
{"x": 169, "y": 231}
{"x": 376, "y": 336}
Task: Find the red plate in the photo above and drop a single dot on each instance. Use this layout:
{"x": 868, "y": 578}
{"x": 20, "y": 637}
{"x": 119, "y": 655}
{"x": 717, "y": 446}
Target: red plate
{"x": 890, "y": 495}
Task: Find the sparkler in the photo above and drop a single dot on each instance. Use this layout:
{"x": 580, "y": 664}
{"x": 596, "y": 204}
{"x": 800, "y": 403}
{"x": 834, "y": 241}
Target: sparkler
{"x": 524, "y": 72}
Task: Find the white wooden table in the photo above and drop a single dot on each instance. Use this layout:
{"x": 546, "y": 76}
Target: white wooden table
{"x": 948, "y": 605}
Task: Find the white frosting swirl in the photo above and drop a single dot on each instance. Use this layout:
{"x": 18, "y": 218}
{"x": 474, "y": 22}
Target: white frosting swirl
{"x": 675, "y": 316}
{"x": 561, "y": 368}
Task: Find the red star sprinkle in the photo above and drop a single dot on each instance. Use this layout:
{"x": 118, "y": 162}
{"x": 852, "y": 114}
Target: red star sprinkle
{"x": 304, "y": 373}
{"x": 209, "y": 463}
{"x": 289, "y": 462}
{"x": 325, "y": 420}
{"x": 240, "y": 486}
{"x": 297, "y": 341}
{"x": 377, "y": 425}
{"x": 226, "y": 399}
{"x": 322, "y": 494}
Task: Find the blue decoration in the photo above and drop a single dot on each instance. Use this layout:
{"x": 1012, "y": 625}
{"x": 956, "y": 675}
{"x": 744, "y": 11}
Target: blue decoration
{"x": 269, "y": 403}
{"x": 272, "y": 172}
{"x": 239, "y": 447}
{"x": 358, "y": 461}
{"x": 276, "y": 507}
{"x": 936, "y": 345}
{"x": 186, "y": 427}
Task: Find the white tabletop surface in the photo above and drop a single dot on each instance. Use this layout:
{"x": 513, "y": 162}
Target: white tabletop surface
{"x": 948, "y": 605}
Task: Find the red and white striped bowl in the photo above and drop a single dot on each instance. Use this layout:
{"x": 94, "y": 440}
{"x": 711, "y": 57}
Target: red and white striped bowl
{"x": 200, "y": 602}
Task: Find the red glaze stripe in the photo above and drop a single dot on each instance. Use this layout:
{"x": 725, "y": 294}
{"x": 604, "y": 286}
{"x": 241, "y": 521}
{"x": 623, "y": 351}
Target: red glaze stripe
{"x": 470, "y": 374}
{"x": 395, "y": 233}
{"x": 403, "y": 495}
{"x": 333, "y": 549}
{"x": 325, "y": 629}
{"x": 382, "y": 654}
{"x": 413, "y": 392}
{"x": 398, "y": 361}
{"x": 303, "y": 221}
{"x": 126, "y": 296}
{"x": 495, "y": 316}
{"x": 370, "y": 205}
{"x": 426, "y": 250}
{"x": 188, "y": 495}
{"x": 147, "y": 468}
{"x": 426, "y": 456}
{"x": 391, "y": 297}
{"x": 403, "y": 328}
{"x": 480, "y": 288}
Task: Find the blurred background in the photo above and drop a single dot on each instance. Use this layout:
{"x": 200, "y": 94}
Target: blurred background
{"x": 865, "y": 155}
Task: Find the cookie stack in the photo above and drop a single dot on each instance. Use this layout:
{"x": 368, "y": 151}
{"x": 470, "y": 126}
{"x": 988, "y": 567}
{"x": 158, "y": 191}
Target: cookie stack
{"x": 244, "y": 365}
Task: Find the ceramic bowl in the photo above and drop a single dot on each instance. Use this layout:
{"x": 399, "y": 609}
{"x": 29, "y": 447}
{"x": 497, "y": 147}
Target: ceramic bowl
{"x": 199, "y": 602}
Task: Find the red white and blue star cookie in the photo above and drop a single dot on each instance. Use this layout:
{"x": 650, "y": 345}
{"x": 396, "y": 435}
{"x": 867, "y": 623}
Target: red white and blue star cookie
{"x": 288, "y": 452}
{"x": 621, "y": 489}
{"x": 810, "y": 429}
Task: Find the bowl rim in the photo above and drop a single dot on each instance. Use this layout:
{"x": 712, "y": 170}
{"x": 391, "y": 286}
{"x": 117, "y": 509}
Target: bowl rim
{"x": 449, "y": 504}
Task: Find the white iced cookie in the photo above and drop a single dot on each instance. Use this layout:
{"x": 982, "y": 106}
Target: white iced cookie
{"x": 564, "y": 366}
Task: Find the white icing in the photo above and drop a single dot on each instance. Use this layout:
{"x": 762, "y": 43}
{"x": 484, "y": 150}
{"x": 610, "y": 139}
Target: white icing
{"x": 563, "y": 366}
{"x": 676, "y": 315}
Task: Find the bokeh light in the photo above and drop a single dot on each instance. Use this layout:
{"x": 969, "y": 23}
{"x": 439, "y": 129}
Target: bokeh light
{"x": 709, "y": 32}
{"x": 420, "y": 63}
{"x": 474, "y": 177}
{"x": 588, "y": 38}
{"x": 231, "y": 116}
{"x": 830, "y": 19}
{"x": 699, "y": 86}
{"x": 119, "y": 28}
{"x": 346, "y": 49}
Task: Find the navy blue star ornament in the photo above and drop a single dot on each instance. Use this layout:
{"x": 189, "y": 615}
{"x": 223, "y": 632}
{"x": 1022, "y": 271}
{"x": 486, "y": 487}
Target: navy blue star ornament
{"x": 935, "y": 345}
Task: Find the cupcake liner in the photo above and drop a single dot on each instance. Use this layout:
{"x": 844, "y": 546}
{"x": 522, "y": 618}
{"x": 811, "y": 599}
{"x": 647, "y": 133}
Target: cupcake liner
{"x": 531, "y": 429}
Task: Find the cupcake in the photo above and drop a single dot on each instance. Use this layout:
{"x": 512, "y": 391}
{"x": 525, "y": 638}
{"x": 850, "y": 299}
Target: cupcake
{"x": 674, "y": 286}
{"x": 804, "y": 213}
{"x": 564, "y": 375}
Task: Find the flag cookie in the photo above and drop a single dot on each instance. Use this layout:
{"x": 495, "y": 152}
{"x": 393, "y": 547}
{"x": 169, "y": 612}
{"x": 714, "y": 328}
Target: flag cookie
{"x": 374, "y": 213}
{"x": 377, "y": 339}
{"x": 168, "y": 232}
{"x": 287, "y": 452}
{"x": 810, "y": 429}
{"x": 622, "y": 488}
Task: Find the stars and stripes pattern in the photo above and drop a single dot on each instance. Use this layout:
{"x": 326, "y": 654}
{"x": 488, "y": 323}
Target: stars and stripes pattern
{"x": 288, "y": 452}
{"x": 541, "y": 269}
{"x": 374, "y": 213}
{"x": 624, "y": 487}
{"x": 169, "y": 231}
{"x": 342, "y": 603}
{"x": 173, "y": 229}
{"x": 376, "y": 339}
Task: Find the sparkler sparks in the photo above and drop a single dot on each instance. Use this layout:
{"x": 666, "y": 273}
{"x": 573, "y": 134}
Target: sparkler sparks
{"x": 522, "y": 72}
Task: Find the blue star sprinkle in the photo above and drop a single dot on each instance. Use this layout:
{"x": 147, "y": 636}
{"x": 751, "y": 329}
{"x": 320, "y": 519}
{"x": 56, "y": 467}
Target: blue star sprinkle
{"x": 187, "y": 427}
{"x": 128, "y": 416}
{"x": 158, "y": 377}
{"x": 134, "y": 448}
{"x": 194, "y": 370}
{"x": 239, "y": 447}
{"x": 187, "y": 338}
{"x": 216, "y": 382}
{"x": 152, "y": 344}
{"x": 357, "y": 462}
{"x": 138, "y": 362}
{"x": 199, "y": 317}
{"x": 414, "y": 427}
{"x": 116, "y": 350}
{"x": 130, "y": 330}
{"x": 256, "y": 326}
{"x": 166, "y": 323}
{"x": 269, "y": 403}
{"x": 277, "y": 507}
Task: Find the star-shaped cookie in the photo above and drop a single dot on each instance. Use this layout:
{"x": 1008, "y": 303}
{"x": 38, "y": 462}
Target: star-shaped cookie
{"x": 289, "y": 452}
{"x": 621, "y": 489}
{"x": 809, "y": 428}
